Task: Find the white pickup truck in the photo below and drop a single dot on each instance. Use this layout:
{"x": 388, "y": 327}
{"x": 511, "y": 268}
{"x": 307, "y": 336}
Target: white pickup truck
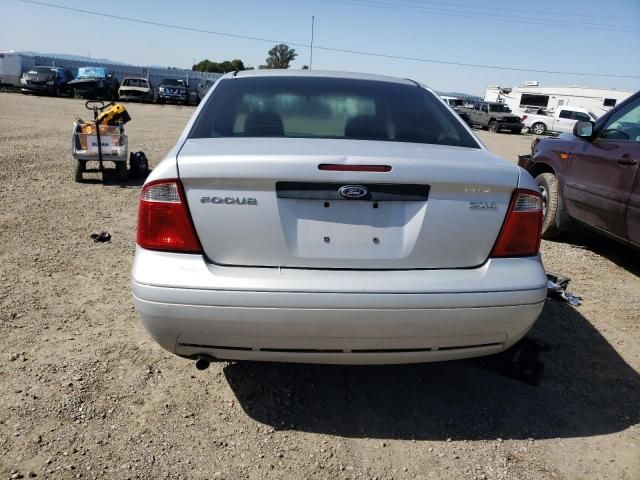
{"x": 561, "y": 121}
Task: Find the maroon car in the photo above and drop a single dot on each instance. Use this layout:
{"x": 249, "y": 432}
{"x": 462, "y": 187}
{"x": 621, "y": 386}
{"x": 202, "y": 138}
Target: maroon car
{"x": 592, "y": 176}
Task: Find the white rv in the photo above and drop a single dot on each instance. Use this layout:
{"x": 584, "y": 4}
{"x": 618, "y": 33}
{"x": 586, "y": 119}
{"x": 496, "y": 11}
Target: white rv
{"x": 534, "y": 95}
{"x": 12, "y": 64}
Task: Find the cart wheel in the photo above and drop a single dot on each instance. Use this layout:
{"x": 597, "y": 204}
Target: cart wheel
{"x": 78, "y": 171}
{"x": 121, "y": 168}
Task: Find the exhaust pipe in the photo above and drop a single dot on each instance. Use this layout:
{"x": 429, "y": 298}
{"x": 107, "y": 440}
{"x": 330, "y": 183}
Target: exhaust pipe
{"x": 203, "y": 362}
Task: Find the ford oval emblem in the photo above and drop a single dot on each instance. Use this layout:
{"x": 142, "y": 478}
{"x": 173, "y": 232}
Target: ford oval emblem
{"x": 353, "y": 191}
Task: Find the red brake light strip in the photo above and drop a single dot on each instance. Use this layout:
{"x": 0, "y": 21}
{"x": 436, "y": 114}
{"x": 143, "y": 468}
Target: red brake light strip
{"x": 333, "y": 167}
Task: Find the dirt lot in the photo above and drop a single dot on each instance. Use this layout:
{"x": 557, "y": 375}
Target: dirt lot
{"x": 85, "y": 393}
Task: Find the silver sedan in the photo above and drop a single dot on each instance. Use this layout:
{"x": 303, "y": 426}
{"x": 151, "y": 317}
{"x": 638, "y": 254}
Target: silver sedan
{"x": 324, "y": 217}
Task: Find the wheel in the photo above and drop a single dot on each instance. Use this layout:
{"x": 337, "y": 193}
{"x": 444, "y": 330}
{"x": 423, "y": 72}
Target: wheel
{"x": 548, "y": 184}
{"x": 78, "y": 170}
{"x": 493, "y": 126}
{"x": 121, "y": 169}
{"x": 538, "y": 128}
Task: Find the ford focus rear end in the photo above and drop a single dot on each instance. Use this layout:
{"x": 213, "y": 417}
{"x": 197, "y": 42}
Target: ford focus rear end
{"x": 335, "y": 218}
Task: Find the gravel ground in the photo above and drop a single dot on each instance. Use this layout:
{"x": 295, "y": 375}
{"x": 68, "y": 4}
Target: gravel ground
{"x": 85, "y": 393}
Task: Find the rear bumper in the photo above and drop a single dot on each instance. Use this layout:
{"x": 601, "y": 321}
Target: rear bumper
{"x": 39, "y": 88}
{"x": 173, "y": 97}
{"x": 350, "y": 317}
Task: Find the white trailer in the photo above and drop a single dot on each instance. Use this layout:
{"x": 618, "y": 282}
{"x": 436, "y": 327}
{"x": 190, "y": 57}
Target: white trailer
{"x": 534, "y": 95}
{"x": 12, "y": 65}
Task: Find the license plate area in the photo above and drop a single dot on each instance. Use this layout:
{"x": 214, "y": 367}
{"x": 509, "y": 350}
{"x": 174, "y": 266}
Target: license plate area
{"x": 349, "y": 229}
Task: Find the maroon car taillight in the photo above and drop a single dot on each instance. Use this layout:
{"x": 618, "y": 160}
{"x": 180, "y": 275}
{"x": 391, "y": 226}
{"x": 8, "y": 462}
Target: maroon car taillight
{"x": 164, "y": 222}
{"x": 524, "y": 117}
{"x": 522, "y": 227}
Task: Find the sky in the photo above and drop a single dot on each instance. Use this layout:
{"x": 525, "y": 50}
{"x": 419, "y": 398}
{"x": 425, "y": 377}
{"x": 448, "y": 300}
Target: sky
{"x": 588, "y": 36}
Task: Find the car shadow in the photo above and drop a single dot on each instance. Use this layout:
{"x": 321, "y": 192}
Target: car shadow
{"x": 587, "y": 389}
{"x": 622, "y": 255}
{"x": 110, "y": 178}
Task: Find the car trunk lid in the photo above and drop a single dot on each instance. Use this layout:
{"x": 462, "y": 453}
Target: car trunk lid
{"x": 267, "y": 202}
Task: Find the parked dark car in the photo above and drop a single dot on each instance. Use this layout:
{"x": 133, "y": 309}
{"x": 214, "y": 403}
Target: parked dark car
{"x": 592, "y": 176}
{"x": 173, "y": 90}
{"x": 203, "y": 88}
{"x": 136, "y": 89}
{"x": 493, "y": 116}
{"x": 48, "y": 80}
{"x": 95, "y": 83}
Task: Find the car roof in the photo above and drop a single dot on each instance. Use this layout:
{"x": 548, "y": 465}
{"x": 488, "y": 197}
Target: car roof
{"x": 135, "y": 78}
{"x": 269, "y": 72}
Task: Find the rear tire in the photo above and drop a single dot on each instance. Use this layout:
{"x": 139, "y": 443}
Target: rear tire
{"x": 538, "y": 128}
{"x": 493, "y": 126}
{"x": 548, "y": 184}
{"x": 78, "y": 171}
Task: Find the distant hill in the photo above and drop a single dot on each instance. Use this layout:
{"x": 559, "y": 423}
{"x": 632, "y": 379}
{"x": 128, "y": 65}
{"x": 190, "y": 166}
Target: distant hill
{"x": 78, "y": 58}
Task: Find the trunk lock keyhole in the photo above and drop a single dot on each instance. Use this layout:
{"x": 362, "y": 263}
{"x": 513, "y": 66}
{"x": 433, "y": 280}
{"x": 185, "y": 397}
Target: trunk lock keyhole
{"x": 327, "y": 240}
{"x": 376, "y": 240}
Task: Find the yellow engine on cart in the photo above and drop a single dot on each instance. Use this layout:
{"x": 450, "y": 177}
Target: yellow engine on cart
{"x": 113, "y": 115}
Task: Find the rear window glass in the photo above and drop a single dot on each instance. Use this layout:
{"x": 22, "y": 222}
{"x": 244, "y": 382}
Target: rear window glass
{"x": 135, "y": 82}
{"x": 316, "y": 107}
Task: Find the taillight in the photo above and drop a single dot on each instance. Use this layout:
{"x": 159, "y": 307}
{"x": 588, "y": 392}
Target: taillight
{"x": 164, "y": 222}
{"x": 522, "y": 228}
{"x": 524, "y": 117}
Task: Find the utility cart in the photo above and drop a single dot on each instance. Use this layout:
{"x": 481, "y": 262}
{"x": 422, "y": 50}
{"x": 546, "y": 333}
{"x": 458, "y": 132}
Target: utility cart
{"x": 101, "y": 140}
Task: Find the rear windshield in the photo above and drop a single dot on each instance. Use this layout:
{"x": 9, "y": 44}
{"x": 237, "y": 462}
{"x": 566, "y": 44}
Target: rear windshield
{"x": 316, "y": 107}
{"x": 135, "y": 82}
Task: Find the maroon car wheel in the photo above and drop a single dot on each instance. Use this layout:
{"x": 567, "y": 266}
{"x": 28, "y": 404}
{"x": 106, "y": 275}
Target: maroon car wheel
{"x": 548, "y": 184}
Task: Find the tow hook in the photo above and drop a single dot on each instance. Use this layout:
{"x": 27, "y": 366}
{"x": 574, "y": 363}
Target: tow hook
{"x": 203, "y": 361}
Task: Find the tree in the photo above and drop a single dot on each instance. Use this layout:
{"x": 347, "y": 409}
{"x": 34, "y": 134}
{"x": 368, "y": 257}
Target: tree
{"x": 280, "y": 56}
{"x": 222, "y": 67}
